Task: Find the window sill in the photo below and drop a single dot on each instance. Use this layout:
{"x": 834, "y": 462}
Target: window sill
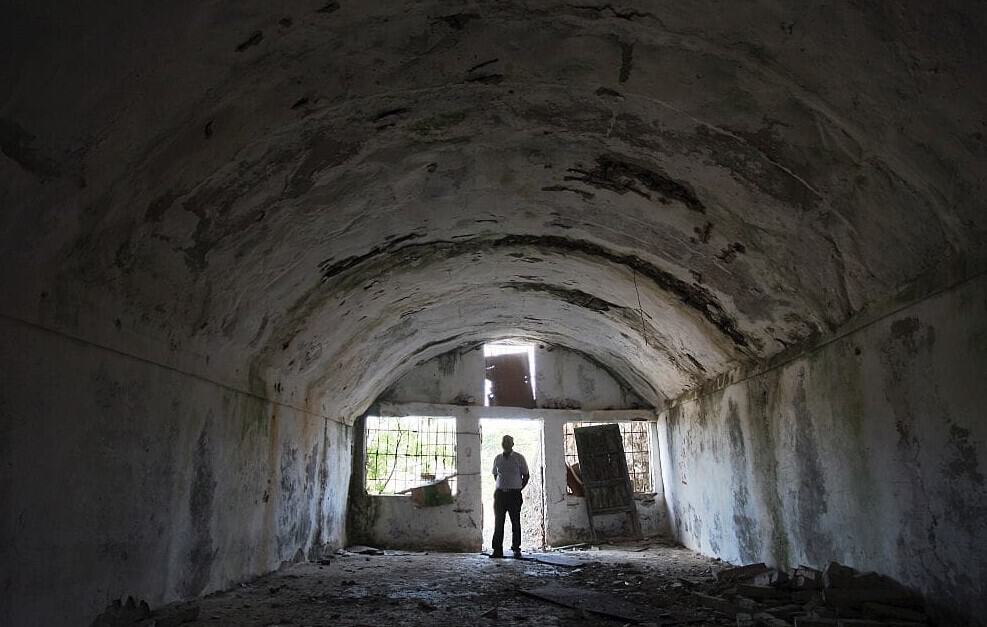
{"x": 638, "y": 496}
{"x": 398, "y": 496}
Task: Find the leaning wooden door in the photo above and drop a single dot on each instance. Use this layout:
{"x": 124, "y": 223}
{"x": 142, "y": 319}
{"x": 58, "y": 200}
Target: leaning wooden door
{"x": 603, "y": 467}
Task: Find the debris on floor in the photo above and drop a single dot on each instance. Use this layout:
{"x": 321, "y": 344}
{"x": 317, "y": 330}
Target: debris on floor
{"x": 556, "y": 559}
{"x": 359, "y": 549}
{"x": 565, "y": 547}
{"x": 491, "y": 613}
{"x": 591, "y": 601}
{"x": 617, "y": 584}
{"x": 133, "y": 613}
{"x": 123, "y": 613}
{"x": 756, "y": 594}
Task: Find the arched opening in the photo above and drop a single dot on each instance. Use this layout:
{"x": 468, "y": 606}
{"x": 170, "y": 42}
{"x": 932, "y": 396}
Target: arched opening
{"x": 230, "y": 234}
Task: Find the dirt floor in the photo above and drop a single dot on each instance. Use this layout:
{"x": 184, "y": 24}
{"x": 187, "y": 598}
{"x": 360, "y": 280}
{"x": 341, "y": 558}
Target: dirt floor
{"x": 408, "y": 589}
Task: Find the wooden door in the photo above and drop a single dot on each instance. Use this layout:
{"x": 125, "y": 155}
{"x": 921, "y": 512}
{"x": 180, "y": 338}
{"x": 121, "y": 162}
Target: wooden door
{"x": 603, "y": 467}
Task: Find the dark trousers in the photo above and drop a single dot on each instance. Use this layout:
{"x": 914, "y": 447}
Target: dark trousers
{"x": 507, "y": 502}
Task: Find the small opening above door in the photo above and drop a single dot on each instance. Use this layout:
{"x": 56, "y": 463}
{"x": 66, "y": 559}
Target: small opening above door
{"x": 510, "y": 375}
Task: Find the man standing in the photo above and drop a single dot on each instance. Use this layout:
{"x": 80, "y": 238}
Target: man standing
{"x": 511, "y": 472}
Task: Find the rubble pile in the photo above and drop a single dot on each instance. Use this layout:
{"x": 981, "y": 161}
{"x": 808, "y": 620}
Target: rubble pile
{"x": 756, "y": 595}
{"x": 132, "y": 613}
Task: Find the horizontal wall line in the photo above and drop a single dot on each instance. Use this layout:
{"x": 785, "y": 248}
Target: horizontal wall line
{"x": 851, "y": 329}
{"x": 144, "y": 360}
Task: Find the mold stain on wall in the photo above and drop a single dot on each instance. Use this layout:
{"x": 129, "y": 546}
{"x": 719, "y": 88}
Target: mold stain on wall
{"x": 811, "y": 497}
{"x": 200, "y": 505}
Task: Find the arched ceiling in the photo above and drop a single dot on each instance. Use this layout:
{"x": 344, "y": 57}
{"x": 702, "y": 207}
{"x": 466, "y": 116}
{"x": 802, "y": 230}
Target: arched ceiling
{"x": 332, "y": 191}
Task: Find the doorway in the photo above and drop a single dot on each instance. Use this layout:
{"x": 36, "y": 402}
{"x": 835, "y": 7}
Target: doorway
{"x": 527, "y": 436}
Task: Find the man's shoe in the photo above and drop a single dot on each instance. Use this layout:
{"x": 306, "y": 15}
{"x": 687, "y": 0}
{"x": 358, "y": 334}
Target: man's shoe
{"x": 497, "y": 554}
{"x": 517, "y": 554}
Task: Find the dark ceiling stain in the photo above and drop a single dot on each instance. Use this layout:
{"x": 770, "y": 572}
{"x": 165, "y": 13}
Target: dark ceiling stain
{"x": 458, "y": 21}
{"x": 329, "y": 269}
{"x": 255, "y": 38}
{"x": 703, "y": 234}
{"x": 574, "y": 297}
{"x": 17, "y": 143}
{"x": 730, "y": 253}
{"x": 621, "y": 176}
{"x": 562, "y": 188}
{"x": 692, "y": 295}
{"x": 600, "y": 11}
{"x": 626, "y": 61}
{"x": 481, "y": 65}
{"x": 159, "y": 206}
{"x": 325, "y": 151}
{"x": 605, "y": 91}
{"x": 486, "y": 79}
{"x": 391, "y": 113}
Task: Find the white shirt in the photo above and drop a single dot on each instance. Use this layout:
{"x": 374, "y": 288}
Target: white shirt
{"x": 508, "y": 471}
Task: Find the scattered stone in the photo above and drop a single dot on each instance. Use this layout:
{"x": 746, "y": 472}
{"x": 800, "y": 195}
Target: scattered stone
{"x": 120, "y": 612}
{"x": 805, "y": 578}
{"x": 745, "y": 603}
{"x": 751, "y": 596}
{"x": 839, "y": 576}
{"x": 742, "y": 573}
{"x": 786, "y": 611}
{"x": 839, "y": 596}
{"x": 763, "y": 619}
{"x": 719, "y": 604}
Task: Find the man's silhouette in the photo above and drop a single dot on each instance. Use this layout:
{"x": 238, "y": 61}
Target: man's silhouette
{"x": 511, "y": 472}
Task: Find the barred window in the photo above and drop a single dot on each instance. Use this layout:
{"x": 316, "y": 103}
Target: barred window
{"x": 409, "y": 451}
{"x": 637, "y": 449}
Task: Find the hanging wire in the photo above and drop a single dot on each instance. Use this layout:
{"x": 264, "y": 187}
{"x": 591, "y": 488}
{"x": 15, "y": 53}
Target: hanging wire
{"x": 640, "y": 309}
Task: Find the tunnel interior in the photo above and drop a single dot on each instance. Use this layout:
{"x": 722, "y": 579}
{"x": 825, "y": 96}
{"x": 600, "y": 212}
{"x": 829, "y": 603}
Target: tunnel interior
{"x": 231, "y": 232}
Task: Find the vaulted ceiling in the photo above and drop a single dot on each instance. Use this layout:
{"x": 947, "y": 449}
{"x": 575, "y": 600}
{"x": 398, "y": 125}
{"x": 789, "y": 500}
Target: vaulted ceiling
{"x": 329, "y": 192}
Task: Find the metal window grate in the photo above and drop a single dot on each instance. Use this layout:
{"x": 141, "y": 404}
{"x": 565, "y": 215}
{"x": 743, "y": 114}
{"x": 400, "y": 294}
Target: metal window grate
{"x": 409, "y": 451}
{"x": 637, "y": 449}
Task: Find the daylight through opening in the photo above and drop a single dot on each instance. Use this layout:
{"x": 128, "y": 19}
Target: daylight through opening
{"x": 407, "y": 452}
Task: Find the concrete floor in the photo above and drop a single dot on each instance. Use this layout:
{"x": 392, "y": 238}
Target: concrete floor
{"x": 456, "y": 589}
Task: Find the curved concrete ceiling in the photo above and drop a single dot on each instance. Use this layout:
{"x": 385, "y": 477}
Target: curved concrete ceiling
{"x": 333, "y": 191}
